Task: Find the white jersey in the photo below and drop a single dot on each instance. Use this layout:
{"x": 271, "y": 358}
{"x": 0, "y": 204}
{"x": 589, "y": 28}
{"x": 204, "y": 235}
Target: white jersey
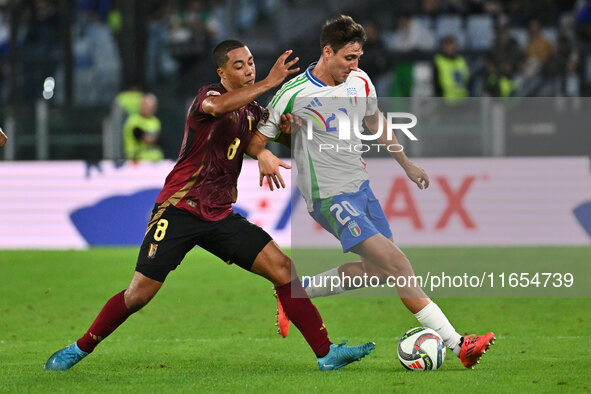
{"x": 327, "y": 165}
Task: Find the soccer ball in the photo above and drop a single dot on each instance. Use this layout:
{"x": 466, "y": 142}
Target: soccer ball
{"x": 421, "y": 349}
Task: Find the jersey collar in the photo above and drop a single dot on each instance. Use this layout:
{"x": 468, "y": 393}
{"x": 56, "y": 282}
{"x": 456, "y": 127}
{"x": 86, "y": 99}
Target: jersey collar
{"x": 315, "y": 80}
{"x": 311, "y": 77}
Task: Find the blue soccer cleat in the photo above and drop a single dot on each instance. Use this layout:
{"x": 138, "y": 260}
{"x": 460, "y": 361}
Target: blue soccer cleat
{"x": 65, "y": 358}
{"x": 341, "y": 355}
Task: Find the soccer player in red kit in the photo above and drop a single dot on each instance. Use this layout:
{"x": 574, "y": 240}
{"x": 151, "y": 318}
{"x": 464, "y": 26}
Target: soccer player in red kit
{"x": 195, "y": 208}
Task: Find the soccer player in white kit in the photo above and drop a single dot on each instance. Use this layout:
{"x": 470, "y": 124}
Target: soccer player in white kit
{"x": 334, "y": 182}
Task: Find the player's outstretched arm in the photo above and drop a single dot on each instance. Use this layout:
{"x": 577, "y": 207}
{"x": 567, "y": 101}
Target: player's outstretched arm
{"x": 414, "y": 172}
{"x": 3, "y": 138}
{"x": 268, "y": 163}
{"x": 228, "y": 102}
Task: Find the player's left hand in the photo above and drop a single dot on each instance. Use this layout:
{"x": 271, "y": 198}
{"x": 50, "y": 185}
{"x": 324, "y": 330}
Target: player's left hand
{"x": 269, "y": 167}
{"x": 417, "y": 175}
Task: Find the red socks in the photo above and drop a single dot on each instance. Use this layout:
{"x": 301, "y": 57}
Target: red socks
{"x": 113, "y": 314}
{"x": 300, "y": 310}
{"x": 297, "y": 306}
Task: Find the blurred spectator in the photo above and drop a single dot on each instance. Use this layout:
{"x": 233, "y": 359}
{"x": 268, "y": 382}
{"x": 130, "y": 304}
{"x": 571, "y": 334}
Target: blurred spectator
{"x": 141, "y": 132}
{"x": 43, "y": 30}
{"x": 247, "y": 14}
{"x": 194, "y": 24}
{"x": 4, "y": 31}
{"x": 517, "y": 13}
{"x": 506, "y": 49}
{"x": 373, "y": 62}
{"x": 411, "y": 35}
{"x": 564, "y": 64}
{"x": 100, "y": 7}
{"x": 4, "y": 49}
{"x": 582, "y": 20}
{"x": 451, "y": 71}
{"x": 159, "y": 60}
{"x": 115, "y": 18}
{"x": 97, "y": 65}
{"x": 218, "y": 22}
{"x": 431, "y": 7}
{"x": 570, "y": 84}
{"x": 538, "y": 50}
{"x": 130, "y": 99}
{"x": 196, "y": 18}
{"x": 493, "y": 7}
{"x": 499, "y": 79}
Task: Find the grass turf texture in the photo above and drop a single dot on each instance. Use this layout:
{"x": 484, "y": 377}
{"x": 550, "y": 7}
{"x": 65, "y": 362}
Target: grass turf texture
{"x": 211, "y": 328}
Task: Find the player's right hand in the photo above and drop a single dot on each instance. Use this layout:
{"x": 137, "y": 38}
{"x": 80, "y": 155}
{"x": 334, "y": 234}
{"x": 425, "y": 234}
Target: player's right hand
{"x": 417, "y": 175}
{"x": 290, "y": 123}
{"x": 281, "y": 69}
{"x": 269, "y": 167}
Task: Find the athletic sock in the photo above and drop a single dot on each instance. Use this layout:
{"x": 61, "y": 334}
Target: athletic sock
{"x": 432, "y": 317}
{"x": 113, "y": 314}
{"x": 304, "y": 315}
{"x": 322, "y": 285}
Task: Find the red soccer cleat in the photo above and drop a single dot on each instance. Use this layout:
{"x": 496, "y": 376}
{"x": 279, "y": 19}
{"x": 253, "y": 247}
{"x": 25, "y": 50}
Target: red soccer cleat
{"x": 474, "y": 347}
{"x": 283, "y": 321}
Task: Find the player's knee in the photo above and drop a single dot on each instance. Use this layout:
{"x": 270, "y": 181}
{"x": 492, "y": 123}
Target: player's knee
{"x": 282, "y": 270}
{"x": 393, "y": 262}
{"x": 136, "y": 300}
{"x": 400, "y": 265}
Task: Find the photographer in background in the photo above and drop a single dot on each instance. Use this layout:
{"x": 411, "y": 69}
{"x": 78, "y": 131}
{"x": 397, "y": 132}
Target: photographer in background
{"x": 141, "y": 132}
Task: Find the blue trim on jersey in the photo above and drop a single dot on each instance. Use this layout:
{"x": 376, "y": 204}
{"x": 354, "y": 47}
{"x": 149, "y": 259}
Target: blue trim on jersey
{"x": 312, "y": 78}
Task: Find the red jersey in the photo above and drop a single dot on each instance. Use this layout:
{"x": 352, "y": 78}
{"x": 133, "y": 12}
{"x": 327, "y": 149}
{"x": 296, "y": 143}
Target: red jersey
{"x": 204, "y": 178}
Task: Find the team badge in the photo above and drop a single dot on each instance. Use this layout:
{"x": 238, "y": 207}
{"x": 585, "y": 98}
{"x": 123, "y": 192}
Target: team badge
{"x": 265, "y": 116}
{"x": 352, "y": 94}
{"x": 354, "y": 228}
{"x": 152, "y": 251}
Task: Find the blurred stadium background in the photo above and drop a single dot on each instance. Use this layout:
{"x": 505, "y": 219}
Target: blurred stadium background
{"x": 509, "y": 166}
{"x": 63, "y": 62}
{"x": 69, "y": 70}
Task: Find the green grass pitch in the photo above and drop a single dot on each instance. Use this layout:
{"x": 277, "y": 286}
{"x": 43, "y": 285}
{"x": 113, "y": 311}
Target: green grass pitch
{"x": 211, "y": 329}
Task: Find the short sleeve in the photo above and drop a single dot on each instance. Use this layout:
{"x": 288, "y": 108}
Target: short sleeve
{"x": 202, "y": 94}
{"x": 269, "y": 123}
{"x": 271, "y": 119}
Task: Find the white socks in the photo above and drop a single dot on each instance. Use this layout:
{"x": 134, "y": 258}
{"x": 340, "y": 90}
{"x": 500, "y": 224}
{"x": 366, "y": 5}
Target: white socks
{"x": 322, "y": 285}
{"x": 432, "y": 317}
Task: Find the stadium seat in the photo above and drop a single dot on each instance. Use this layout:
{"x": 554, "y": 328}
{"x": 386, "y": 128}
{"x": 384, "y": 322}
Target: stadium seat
{"x": 446, "y": 25}
{"x": 480, "y": 31}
